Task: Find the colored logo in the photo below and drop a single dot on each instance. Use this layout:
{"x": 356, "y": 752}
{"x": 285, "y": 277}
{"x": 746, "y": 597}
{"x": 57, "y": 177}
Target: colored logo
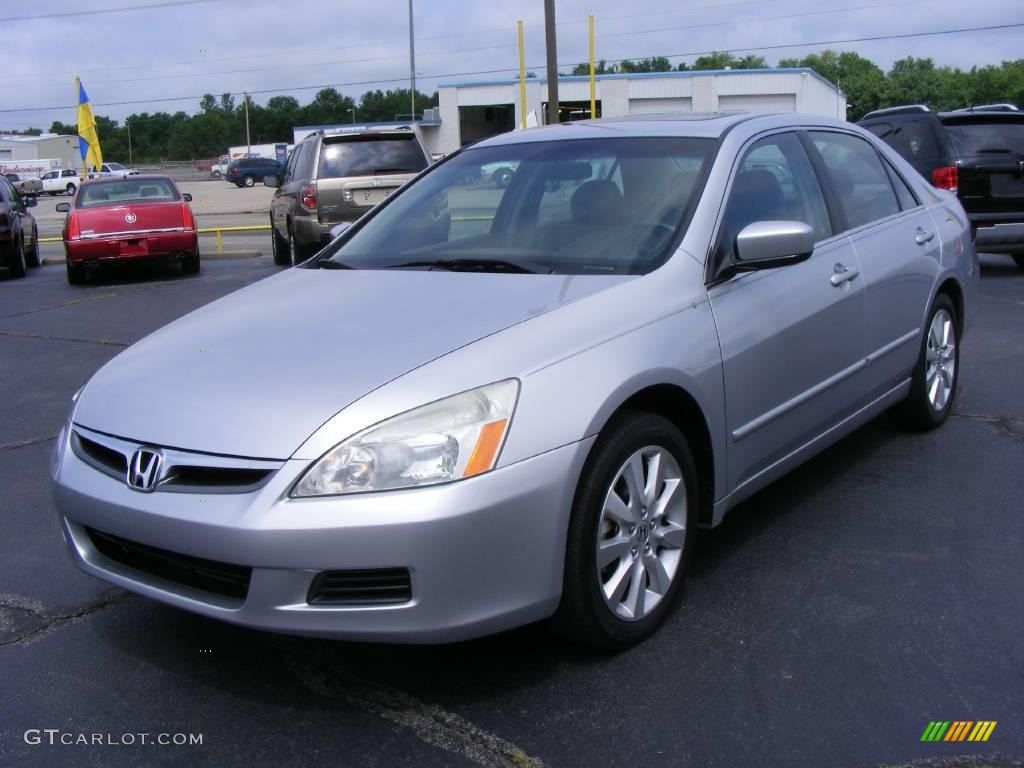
{"x": 958, "y": 730}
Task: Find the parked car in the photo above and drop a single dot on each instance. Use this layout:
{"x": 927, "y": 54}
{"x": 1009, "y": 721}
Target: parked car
{"x": 333, "y": 177}
{"x": 116, "y": 170}
{"x": 24, "y": 185}
{"x": 143, "y": 218}
{"x": 456, "y": 425}
{"x": 246, "y": 171}
{"x": 19, "y": 236}
{"x": 977, "y": 153}
{"x": 61, "y": 180}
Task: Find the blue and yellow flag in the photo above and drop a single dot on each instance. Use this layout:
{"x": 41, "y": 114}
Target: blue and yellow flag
{"x": 88, "y": 139}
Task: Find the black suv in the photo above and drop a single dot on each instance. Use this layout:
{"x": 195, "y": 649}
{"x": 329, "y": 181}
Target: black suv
{"x": 19, "y": 237}
{"x": 977, "y": 152}
{"x": 246, "y": 171}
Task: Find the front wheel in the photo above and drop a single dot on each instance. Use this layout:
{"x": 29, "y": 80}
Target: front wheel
{"x": 248, "y": 180}
{"x": 70, "y": 189}
{"x": 17, "y": 265}
{"x": 502, "y": 177}
{"x": 630, "y": 533}
{"x": 933, "y": 384}
{"x": 32, "y": 257}
{"x": 279, "y": 246}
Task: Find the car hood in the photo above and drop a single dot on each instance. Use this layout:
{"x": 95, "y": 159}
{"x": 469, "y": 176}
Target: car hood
{"x": 257, "y": 372}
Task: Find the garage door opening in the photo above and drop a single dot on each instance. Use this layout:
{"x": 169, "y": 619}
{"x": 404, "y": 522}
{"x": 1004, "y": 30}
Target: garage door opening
{"x": 571, "y": 111}
{"x": 477, "y": 123}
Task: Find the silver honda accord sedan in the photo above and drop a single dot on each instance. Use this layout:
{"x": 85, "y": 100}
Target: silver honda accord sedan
{"x": 482, "y": 406}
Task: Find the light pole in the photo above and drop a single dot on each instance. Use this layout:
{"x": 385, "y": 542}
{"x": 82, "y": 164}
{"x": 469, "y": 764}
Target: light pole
{"x": 248, "y": 141}
{"x": 128, "y": 125}
{"x": 551, "y": 43}
{"x": 353, "y": 111}
{"x": 412, "y": 65}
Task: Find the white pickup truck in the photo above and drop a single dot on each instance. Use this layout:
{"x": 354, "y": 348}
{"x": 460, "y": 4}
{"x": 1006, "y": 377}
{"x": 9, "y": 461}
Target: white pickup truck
{"x": 61, "y": 180}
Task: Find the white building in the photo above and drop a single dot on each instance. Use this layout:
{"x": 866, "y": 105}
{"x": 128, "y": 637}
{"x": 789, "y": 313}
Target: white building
{"x": 472, "y": 111}
{"x": 19, "y": 152}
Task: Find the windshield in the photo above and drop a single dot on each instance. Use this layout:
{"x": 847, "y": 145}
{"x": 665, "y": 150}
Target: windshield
{"x": 370, "y": 154}
{"x": 590, "y": 206}
{"x": 984, "y": 138}
{"x": 144, "y": 191}
{"x": 115, "y": 166}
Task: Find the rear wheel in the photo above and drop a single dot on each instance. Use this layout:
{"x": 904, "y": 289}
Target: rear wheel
{"x": 75, "y": 273}
{"x": 279, "y": 246}
{"x": 17, "y": 264}
{"x": 502, "y": 177}
{"x": 190, "y": 264}
{"x": 1019, "y": 258}
{"x": 630, "y": 533}
{"x": 248, "y": 180}
{"x": 297, "y": 252}
{"x": 32, "y": 257}
{"x": 70, "y": 189}
{"x": 933, "y": 384}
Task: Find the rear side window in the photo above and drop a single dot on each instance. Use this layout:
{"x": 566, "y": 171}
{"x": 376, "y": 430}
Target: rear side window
{"x": 370, "y": 154}
{"x": 992, "y": 138}
{"x": 904, "y": 193}
{"x": 914, "y": 140}
{"x": 858, "y": 178}
{"x": 881, "y": 130}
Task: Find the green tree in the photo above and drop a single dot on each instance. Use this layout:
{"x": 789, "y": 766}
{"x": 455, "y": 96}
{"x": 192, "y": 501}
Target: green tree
{"x": 864, "y": 83}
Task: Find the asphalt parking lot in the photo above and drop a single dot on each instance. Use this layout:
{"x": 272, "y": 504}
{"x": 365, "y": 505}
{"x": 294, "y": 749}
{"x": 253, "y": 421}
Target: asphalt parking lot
{"x": 826, "y": 622}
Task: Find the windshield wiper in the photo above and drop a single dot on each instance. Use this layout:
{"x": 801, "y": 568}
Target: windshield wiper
{"x": 328, "y": 264}
{"x": 478, "y": 264}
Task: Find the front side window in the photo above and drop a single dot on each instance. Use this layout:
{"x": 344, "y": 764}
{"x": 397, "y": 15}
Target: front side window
{"x": 593, "y": 206}
{"x": 50, "y": 175}
{"x": 858, "y": 179}
{"x": 775, "y": 182}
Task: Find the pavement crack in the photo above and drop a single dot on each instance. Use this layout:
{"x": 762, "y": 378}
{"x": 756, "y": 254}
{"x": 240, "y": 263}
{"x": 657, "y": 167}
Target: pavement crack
{"x": 1010, "y": 426}
{"x": 328, "y": 677}
{"x": 26, "y": 443}
{"x": 47, "y": 337}
{"x": 26, "y": 621}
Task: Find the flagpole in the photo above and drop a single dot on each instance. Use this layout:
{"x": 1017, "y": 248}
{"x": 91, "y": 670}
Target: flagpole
{"x": 78, "y": 97}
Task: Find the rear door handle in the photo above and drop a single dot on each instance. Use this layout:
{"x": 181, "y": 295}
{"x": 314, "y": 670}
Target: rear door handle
{"x": 923, "y": 237}
{"x": 842, "y": 274}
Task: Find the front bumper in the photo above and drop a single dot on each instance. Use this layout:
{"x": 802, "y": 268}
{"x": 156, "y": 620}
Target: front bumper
{"x": 484, "y": 554}
{"x": 135, "y": 247}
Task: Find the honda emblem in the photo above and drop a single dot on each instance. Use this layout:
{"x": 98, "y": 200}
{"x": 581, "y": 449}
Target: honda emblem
{"x": 144, "y": 470}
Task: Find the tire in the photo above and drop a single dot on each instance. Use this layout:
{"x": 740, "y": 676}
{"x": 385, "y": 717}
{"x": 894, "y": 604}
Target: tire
{"x": 587, "y": 615}
{"x": 502, "y": 177}
{"x": 32, "y": 257}
{"x": 190, "y": 264}
{"x": 933, "y": 385}
{"x": 17, "y": 264}
{"x": 279, "y": 247}
{"x": 70, "y": 189}
{"x": 76, "y": 276}
{"x": 297, "y": 252}
{"x": 248, "y": 180}
{"x": 1019, "y": 258}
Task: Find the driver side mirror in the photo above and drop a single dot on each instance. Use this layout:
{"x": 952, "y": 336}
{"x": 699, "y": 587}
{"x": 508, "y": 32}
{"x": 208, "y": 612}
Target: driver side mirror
{"x": 30, "y": 201}
{"x": 770, "y": 244}
{"x": 187, "y": 197}
{"x": 271, "y": 181}
{"x": 63, "y": 207}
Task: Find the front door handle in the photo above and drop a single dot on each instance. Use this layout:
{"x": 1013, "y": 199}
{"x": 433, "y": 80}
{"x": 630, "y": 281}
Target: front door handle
{"x": 842, "y": 274}
{"x": 923, "y": 237}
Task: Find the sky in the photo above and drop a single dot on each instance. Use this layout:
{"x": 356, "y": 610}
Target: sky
{"x": 167, "y": 55}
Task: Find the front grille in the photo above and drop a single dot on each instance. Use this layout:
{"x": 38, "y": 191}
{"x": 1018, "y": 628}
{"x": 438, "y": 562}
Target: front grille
{"x": 183, "y": 471}
{"x": 379, "y": 586}
{"x": 210, "y": 576}
{"x": 100, "y": 456}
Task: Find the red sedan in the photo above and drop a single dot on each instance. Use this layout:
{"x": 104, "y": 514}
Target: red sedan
{"x": 140, "y": 218}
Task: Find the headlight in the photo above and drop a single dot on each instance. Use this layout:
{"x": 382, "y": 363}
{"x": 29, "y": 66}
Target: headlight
{"x": 446, "y": 440}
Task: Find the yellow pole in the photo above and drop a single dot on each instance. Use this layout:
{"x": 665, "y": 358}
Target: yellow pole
{"x": 593, "y": 83}
{"x": 522, "y": 78}
{"x": 220, "y": 242}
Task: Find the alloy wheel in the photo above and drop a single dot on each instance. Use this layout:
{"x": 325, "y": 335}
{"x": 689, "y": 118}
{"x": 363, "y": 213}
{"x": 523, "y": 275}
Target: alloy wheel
{"x": 641, "y": 533}
{"x": 940, "y": 360}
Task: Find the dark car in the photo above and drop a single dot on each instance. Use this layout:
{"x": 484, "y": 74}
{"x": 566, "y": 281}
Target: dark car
{"x": 246, "y": 171}
{"x": 19, "y": 236}
{"x": 977, "y": 152}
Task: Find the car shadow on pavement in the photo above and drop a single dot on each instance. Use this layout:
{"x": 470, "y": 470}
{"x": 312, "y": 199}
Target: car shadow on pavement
{"x": 130, "y": 274}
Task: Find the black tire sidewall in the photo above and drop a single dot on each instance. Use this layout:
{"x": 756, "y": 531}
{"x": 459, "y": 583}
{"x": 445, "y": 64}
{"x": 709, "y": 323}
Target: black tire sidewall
{"x": 916, "y": 411}
{"x": 583, "y": 615}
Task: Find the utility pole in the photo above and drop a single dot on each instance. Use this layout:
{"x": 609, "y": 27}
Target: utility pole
{"x": 128, "y": 125}
{"x": 248, "y": 141}
{"x": 551, "y": 43}
{"x": 412, "y": 65}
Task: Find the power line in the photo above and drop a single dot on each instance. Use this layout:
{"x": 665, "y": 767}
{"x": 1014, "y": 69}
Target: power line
{"x": 872, "y": 38}
{"x": 178, "y": 76}
{"x": 98, "y": 11}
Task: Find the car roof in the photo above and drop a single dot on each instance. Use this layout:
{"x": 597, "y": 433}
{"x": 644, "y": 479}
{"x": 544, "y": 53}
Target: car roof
{"x": 689, "y": 124}
{"x": 133, "y": 178}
